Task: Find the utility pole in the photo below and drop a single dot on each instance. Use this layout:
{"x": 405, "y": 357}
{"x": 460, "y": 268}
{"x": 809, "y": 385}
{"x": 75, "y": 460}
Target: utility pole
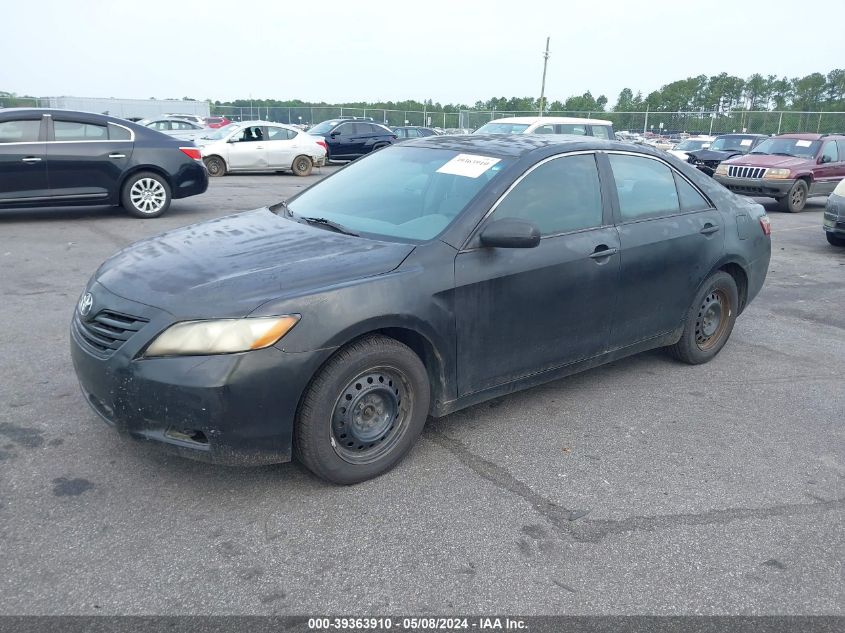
{"x": 543, "y": 85}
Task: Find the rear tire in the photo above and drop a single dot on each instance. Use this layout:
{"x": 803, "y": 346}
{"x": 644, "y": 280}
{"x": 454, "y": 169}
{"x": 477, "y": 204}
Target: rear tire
{"x": 215, "y": 166}
{"x": 302, "y": 166}
{"x": 709, "y": 322}
{"x": 833, "y": 240}
{"x": 795, "y": 200}
{"x": 145, "y": 195}
{"x": 363, "y": 411}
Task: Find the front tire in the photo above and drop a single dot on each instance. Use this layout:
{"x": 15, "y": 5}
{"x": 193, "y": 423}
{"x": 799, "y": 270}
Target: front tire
{"x": 363, "y": 411}
{"x": 302, "y": 166}
{"x": 709, "y": 322}
{"x": 796, "y": 198}
{"x": 833, "y": 240}
{"x": 146, "y": 195}
{"x": 215, "y": 166}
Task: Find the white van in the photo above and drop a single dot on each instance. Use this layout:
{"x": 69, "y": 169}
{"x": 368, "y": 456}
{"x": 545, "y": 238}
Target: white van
{"x": 549, "y": 125}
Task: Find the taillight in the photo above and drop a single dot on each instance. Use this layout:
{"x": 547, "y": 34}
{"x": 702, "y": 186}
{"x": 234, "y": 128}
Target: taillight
{"x": 322, "y": 144}
{"x": 191, "y": 152}
{"x": 766, "y": 225}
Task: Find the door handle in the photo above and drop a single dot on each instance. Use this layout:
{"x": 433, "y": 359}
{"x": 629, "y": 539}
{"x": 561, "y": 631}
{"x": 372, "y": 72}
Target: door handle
{"x": 603, "y": 251}
{"x": 117, "y": 155}
{"x": 709, "y": 228}
{"x": 32, "y": 159}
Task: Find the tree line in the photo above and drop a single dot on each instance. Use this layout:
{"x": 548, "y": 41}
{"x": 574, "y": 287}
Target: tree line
{"x": 720, "y": 93}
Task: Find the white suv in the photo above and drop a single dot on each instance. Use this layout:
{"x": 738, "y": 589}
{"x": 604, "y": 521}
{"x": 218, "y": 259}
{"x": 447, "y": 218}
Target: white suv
{"x": 549, "y": 125}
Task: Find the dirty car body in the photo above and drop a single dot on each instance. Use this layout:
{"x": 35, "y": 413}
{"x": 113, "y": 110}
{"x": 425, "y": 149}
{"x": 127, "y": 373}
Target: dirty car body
{"x": 484, "y": 320}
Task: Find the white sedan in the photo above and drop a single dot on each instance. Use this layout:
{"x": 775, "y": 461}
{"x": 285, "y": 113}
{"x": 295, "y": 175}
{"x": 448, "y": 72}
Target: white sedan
{"x": 260, "y": 146}
{"x": 691, "y": 144}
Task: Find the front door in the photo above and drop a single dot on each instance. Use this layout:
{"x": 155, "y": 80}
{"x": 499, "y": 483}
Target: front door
{"x": 525, "y": 310}
{"x": 23, "y": 160}
{"x": 671, "y": 238}
{"x": 248, "y": 149}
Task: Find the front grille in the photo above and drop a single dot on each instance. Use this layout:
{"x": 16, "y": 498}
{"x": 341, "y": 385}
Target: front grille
{"x": 107, "y": 331}
{"x": 738, "y": 171}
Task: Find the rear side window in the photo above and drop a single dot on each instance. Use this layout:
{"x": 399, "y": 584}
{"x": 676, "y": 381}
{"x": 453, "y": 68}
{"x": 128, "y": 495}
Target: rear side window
{"x": 280, "y": 134}
{"x": 78, "y": 131}
{"x": 19, "y": 131}
{"x": 690, "y": 199}
{"x": 572, "y": 128}
{"x": 558, "y": 196}
{"x": 545, "y": 129}
{"x": 601, "y": 131}
{"x": 118, "y": 133}
{"x": 646, "y": 187}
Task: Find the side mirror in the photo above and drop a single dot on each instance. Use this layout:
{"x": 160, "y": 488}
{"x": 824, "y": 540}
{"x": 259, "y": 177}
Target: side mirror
{"x": 334, "y": 133}
{"x": 510, "y": 233}
{"x": 232, "y": 139}
{"x": 825, "y": 159}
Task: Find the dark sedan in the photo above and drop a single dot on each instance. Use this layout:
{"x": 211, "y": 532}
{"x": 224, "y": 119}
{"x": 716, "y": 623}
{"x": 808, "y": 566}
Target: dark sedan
{"x": 425, "y": 278}
{"x": 62, "y": 158}
{"x": 722, "y": 148}
{"x": 349, "y": 139}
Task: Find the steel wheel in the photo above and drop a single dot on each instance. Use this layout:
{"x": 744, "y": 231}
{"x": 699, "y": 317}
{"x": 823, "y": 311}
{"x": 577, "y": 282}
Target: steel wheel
{"x": 215, "y": 166}
{"x": 148, "y": 195}
{"x": 713, "y": 318}
{"x": 371, "y": 415}
{"x": 796, "y": 197}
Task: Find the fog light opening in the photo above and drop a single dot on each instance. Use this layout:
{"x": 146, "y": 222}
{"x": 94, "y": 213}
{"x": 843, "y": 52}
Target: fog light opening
{"x": 187, "y": 435}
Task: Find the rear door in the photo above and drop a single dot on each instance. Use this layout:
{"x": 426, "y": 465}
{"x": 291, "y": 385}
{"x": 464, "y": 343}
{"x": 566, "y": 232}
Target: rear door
{"x": 281, "y": 147}
{"x": 86, "y": 158}
{"x": 248, "y": 149}
{"x": 23, "y": 159}
{"x": 521, "y": 311}
{"x": 671, "y": 238}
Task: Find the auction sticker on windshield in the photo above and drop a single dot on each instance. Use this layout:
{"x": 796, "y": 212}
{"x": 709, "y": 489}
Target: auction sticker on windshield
{"x": 468, "y": 165}
{"x": 803, "y": 143}
{"x": 745, "y": 141}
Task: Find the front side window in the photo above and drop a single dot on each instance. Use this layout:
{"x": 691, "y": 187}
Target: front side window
{"x": 250, "y": 134}
{"x": 559, "y": 196}
{"x": 409, "y": 193}
{"x": 830, "y": 153}
{"x": 646, "y": 187}
{"x": 76, "y": 131}
{"x": 19, "y": 131}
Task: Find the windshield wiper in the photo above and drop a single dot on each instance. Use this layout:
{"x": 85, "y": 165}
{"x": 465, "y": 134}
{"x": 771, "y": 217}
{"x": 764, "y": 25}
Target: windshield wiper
{"x": 782, "y": 154}
{"x": 330, "y": 224}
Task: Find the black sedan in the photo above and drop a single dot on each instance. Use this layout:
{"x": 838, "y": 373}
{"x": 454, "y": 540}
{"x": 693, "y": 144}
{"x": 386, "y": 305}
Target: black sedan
{"x": 349, "y": 139}
{"x": 61, "y": 158}
{"x": 427, "y": 277}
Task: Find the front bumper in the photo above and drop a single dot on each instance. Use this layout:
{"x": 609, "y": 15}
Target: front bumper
{"x": 834, "y": 216}
{"x": 235, "y": 409}
{"x": 756, "y": 186}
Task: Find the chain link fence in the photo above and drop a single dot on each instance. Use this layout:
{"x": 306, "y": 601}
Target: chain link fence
{"x": 308, "y": 115}
{"x": 752, "y": 122}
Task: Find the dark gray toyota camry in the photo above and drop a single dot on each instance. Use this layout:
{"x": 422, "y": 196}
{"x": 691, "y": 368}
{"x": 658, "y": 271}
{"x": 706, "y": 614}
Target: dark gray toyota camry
{"x": 421, "y": 279}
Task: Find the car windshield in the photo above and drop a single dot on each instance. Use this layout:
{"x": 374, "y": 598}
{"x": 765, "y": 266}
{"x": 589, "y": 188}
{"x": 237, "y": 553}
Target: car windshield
{"x": 691, "y": 145}
{"x": 731, "y": 144}
{"x": 502, "y": 128}
{"x": 788, "y": 147}
{"x": 221, "y": 132}
{"x": 322, "y": 128}
{"x": 409, "y": 193}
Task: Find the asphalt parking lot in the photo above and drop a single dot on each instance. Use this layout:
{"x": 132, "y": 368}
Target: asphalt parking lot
{"x": 644, "y": 486}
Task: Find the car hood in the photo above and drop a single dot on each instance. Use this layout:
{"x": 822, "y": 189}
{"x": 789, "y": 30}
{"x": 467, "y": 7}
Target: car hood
{"x": 228, "y": 267}
{"x": 710, "y": 155}
{"x": 769, "y": 160}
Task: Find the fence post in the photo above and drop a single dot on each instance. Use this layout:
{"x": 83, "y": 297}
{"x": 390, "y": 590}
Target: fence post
{"x": 819, "y": 126}
{"x": 780, "y": 120}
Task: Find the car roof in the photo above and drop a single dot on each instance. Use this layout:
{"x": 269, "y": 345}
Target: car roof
{"x": 743, "y": 135}
{"x": 517, "y": 145}
{"x": 808, "y": 137}
{"x": 531, "y": 120}
{"x": 260, "y": 122}
{"x": 75, "y": 113}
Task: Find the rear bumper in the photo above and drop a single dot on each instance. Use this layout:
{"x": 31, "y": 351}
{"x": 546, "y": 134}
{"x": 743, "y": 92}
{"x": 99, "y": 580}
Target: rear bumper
{"x": 756, "y": 186}
{"x": 190, "y": 180}
{"x": 756, "y": 272}
{"x": 834, "y": 215}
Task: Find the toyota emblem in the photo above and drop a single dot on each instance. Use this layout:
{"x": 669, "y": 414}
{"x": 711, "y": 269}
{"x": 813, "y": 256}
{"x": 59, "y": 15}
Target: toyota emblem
{"x": 86, "y": 302}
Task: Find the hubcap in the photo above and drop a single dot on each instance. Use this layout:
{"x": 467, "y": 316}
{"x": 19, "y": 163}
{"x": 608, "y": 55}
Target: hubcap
{"x": 148, "y": 195}
{"x": 371, "y": 415}
{"x": 712, "y": 319}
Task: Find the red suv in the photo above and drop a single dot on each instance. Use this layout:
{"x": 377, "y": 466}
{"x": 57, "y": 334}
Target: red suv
{"x": 789, "y": 168}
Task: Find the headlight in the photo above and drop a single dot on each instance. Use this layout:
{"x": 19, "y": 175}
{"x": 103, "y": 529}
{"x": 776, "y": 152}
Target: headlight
{"x": 223, "y": 336}
{"x": 721, "y": 170}
{"x": 776, "y": 173}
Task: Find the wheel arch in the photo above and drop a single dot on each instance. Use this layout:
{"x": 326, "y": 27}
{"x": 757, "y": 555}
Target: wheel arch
{"x": 138, "y": 169}
{"x": 740, "y": 277}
